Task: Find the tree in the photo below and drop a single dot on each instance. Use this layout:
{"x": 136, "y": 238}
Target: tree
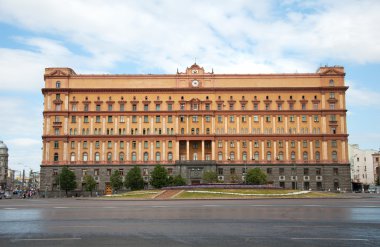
{"x": 178, "y": 181}
{"x": 116, "y": 181}
{"x": 210, "y": 177}
{"x": 159, "y": 177}
{"x": 377, "y": 181}
{"x": 66, "y": 180}
{"x": 90, "y": 183}
{"x": 134, "y": 179}
{"x": 256, "y": 176}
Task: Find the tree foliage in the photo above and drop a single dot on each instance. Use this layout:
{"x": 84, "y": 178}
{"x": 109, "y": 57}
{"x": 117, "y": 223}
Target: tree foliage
{"x": 210, "y": 177}
{"x": 178, "y": 181}
{"x": 134, "y": 179}
{"x": 116, "y": 181}
{"x": 90, "y": 183}
{"x": 256, "y": 176}
{"x": 159, "y": 177}
{"x": 66, "y": 180}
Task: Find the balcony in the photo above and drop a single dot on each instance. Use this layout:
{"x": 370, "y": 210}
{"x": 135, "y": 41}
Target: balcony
{"x": 57, "y": 124}
{"x": 196, "y": 162}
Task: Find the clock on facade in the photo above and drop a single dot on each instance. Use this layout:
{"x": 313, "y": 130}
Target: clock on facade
{"x": 195, "y": 83}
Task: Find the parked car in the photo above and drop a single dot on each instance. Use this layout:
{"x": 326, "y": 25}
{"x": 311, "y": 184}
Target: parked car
{"x": 373, "y": 189}
{"x": 7, "y": 195}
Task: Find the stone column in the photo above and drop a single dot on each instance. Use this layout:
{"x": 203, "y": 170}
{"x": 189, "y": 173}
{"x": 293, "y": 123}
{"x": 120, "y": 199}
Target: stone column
{"x": 213, "y": 150}
{"x": 187, "y": 150}
{"x": 203, "y": 150}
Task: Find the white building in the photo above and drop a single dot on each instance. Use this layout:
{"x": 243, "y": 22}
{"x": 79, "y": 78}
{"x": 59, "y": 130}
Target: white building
{"x": 3, "y": 165}
{"x": 362, "y": 166}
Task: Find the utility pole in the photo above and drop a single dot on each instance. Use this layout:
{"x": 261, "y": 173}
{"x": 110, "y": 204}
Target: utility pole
{"x": 23, "y": 179}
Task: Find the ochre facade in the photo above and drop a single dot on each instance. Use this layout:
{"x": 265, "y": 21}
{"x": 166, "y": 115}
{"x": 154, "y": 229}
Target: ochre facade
{"x": 293, "y": 126}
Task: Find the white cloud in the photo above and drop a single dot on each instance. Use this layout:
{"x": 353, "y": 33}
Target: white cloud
{"x": 359, "y": 96}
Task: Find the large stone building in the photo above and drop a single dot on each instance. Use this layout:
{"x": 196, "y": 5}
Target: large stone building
{"x": 3, "y": 165}
{"x": 292, "y": 126}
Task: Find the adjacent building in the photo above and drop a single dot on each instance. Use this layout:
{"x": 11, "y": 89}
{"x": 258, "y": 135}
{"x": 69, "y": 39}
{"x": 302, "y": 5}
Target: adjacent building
{"x": 363, "y": 168}
{"x": 292, "y": 126}
{"x": 3, "y": 165}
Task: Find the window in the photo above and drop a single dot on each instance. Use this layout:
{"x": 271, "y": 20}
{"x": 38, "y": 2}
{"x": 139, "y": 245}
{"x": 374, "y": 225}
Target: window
{"x": 331, "y": 83}
{"x": 97, "y": 107}
{"x": 231, "y": 107}
{"x": 73, "y": 119}
{"x": 269, "y": 156}
{"x": 146, "y": 156}
{"x": 109, "y": 119}
{"x": 304, "y": 118}
{"x": 220, "y": 156}
{"x": 332, "y": 95}
{"x": 220, "y": 144}
{"x": 244, "y": 156}
{"x": 207, "y": 118}
{"x": 85, "y": 157}
{"x": 56, "y": 144}
{"x": 219, "y": 107}
{"x": 333, "y": 144}
{"x": 56, "y": 157}
{"x": 316, "y": 118}
{"x": 109, "y": 156}
{"x": 305, "y": 156}
{"x": 256, "y": 156}
{"x": 122, "y": 107}
{"x": 279, "y": 118}
{"x": 335, "y": 171}
{"x": 158, "y": 119}
{"x": 134, "y": 107}
{"x": 255, "y": 118}
{"x": 170, "y": 119}
{"x": 170, "y": 107}
{"x": 269, "y": 144}
{"x": 220, "y": 119}
{"x": 58, "y": 84}
{"x": 146, "y": 143}
{"x": 232, "y": 144}
{"x": 255, "y": 106}
{"x": 85, "y": 119}
{"x": 317, "y": 156}
{"x": 207, "y": 107}
{"x": 232, "y": 119}
{"x": 121, "y": 156}
{"x": 170, "y": 156}
{"x": 158, "y": 107}
{"x": 85, "y": 144}
{"x": 195, "y": 119}
{"x": 110, "y": 107}
{"x": 134, "y": 156}
{"x": 134, "y": 119}
{"x": 280, "y": 156}
{"x": 267, "y": 119}
{"x": 109, "y": 172}
{"x": 332, "y": 106}
{"x": 158, "y": 156}
{"x": 72, "y": 157}
{"x": 304, "y": 144}
{"x": 182, "y": 106}
{"x": 146, "y": 107}
{"x": 232, "y": 155}
{"x": 256, "y": 144}
{"x": 334, "y": 156}
{"x": 317, "y": 144}
{"x": 293, "y": 156}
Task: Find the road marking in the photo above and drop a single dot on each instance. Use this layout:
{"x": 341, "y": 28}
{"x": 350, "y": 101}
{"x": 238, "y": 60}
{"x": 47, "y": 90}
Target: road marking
{"x": 77, "y": 226}
{"x": 9, "y": 208}
{"x": 158, "y": 206}
{"x": 61, "y": 207}
{"x": 213, "y": 205}
{"x": 109, "y": 207}
{"x": 46, "y": 239}
{"x": 336, "y": 239}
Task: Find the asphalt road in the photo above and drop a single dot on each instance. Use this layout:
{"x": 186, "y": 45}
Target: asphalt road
{"x": 272, "y": 222}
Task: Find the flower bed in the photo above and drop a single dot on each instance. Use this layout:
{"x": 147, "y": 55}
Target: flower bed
{"x": 222, "y": 186}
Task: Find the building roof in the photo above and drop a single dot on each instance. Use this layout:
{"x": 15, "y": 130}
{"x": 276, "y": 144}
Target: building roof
{"x": 3, "y": 146}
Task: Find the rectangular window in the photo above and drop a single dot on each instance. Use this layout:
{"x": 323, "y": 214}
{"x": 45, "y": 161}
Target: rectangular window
{"x": 109, "y": 119}
{"x": 134, "y": 145}
{"x": 232, "y": 144}
{"x": 332, "y": 95}
{"x": 146, "y": 119}
{"x": 170, "y": 144}
{"x": 255, "y": 106}
{"x": 97, "y": 108}
{"x": 332, "y": 106}
{"x": 243, "y": 119}
{"x": 182, "y": 119}
{"x": 220, "y": 119}
{"x": 72, "y": 145}
{"x": 170, "y": 119}
{"x": 231, "y": 107}
{"x": 220, "y": 144}
{"x": 315, "y": 106}
{"x": 97, "y": 119}
{"x": 157, "y": 144}
{"x": 86, "y": 107}
{"x": 146, "y": 107}
{"x": 317, "y": 144}
{"x": 85, "y": 144}
{"x": 335, "y": 171}
{"x": 108, "y": 172}
{"x": 256, "y": 118}
{"x": 279, "y": 118}
{"x": 158, "y": 107}
{"x": 56, "y": 131}
{"x": 293, "y": 144}
{"x": 304, "y": 144}
{"x": 316, "y": 118}
{"x": 256, "y": 144}
{"x": 158, "y": 119}
{"x": 291, "y": 118}
{"x": 134, "y": 107}
{"x": 195, "y": 119}
{"x": 122, "y": 119}
{"x": 269, "y": 170}
{"x": 207, "y": 107}
{"x": 134, "y": 119}
{"x": 306, "y": 171}
{"x": 97, "y": 144}
{"x": 121, "y": 107}
{"x": 146, "y": 144}
{"x": 73, "y": 119}
{"x": 318, "y": 171}
{"x": 244, "y": 144}
{"x": 121, "y": 144}
{"x": 268, "y": 144}
{"x": 170, "y": 107}
{"x": 219, "y": 107}
{"x": 85, "y": 119}
{"x": 220, "y": 171}
{"x": 267, "y": 119}
{"x": 110, "y": 107}
{"x": 281, "y": 171}
{"x": 304, "y": 118}
{"x": 333, "y": 144}
{"x": 232, "y": 119}
{"x": 56, "y": 144}
{"x": 109, "y": 144}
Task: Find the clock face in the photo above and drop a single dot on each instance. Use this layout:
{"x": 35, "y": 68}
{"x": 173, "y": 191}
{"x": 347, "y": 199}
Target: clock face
{"x": 195, "y": 83}
{"x": 194, "y": 71}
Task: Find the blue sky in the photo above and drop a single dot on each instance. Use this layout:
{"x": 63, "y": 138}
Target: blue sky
{"x": 160, "y": 36}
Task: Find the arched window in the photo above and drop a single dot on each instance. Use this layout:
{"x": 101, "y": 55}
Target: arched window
{"x": 121, "y": 156}
{"x": 256, "y": 156}
{"x": 281, "y": 156}
{"x": 182, "y": 131}
{"x": 305, "y": 156}
{"x": 158, "y": 156}
{"x": 97, "y": 156}
{"x": 170, "y": 156}
{"x": 331, "y": 83}
{"x": 317, "y": 156}
{"x": 244, "y": 155}
{"x": 75, "y": 131}
{"x": 133, "y": 156}
{"x": 55, "y": 156}
{"x": 109, "y": 156}
{"x": 71, "y": 131}
{"x": 220, "y": 156}
{"x": 293, "y": 156}
{"x": 85, "y": 156}
{"x": 58, "y": 84}
{"x": 232, "y": 155}
{"x": 72, "y": 157}
{"x": 146, "y": 156}
{"x": 334, "y": 156}
{"x": 269, "y": 155}
{"x": 195, "y": 156}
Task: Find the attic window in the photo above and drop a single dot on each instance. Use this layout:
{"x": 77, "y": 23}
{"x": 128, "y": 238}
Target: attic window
{"x": 170, "y": 97}
{"x": 291, "y": 97}
{"x": 331, "y": 83}
{"x": 303, "y": 97}
{"x": 98, "y": 98}
{"x": 315, "y": 96}
{"x": 86, "y": 98}
{"x": 58, "y": 84}
{"x": 206, "y": 97}
{"x": 182, "y": 97}
{"x": 267, "y": 97}
{"x": 146, "y": 97}
{"x": 122, "y": 98}
{"x": 279, "y": 97}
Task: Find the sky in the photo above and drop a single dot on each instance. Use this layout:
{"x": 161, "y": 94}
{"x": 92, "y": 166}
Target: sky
{"x": 159, "y": 36}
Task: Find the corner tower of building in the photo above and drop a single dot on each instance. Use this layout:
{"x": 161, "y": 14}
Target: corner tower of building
{"x": 292, "y": 126}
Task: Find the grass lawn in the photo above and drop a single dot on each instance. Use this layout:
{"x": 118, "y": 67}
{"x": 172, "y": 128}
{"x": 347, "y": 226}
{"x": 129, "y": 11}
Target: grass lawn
{"x": 138, "y": 194}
